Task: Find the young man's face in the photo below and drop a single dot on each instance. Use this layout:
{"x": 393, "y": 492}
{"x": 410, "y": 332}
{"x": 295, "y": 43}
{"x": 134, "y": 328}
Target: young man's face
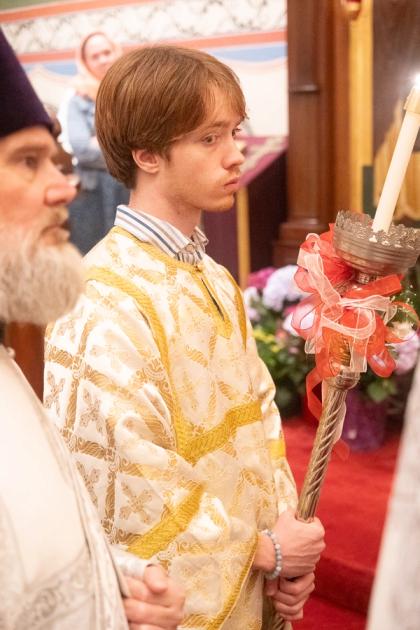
{"x": 202, "y": 172}
{"x": 33, "y": 192}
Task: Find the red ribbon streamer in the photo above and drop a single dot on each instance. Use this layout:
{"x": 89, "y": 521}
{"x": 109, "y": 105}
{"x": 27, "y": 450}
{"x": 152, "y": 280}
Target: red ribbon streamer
{"x": 340, "y": 313}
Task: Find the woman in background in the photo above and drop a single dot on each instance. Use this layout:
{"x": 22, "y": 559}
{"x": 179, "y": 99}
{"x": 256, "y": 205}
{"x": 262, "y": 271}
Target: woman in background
{"x": 93, "y": 211}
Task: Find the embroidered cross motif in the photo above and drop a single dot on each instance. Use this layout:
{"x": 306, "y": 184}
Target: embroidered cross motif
{"x": 68, "y": 325}
{"x": 136, "y": 504}
{"x": 90, "y": 480}
{"x": 55, "y": 391}
{"x": 91, "y": 414}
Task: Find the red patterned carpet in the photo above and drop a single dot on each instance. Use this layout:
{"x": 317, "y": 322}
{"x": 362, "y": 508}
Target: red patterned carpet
{"x": 352, "y": 509}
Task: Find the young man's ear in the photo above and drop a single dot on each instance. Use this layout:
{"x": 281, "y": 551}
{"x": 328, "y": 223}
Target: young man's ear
{"x": 146, "y": 160}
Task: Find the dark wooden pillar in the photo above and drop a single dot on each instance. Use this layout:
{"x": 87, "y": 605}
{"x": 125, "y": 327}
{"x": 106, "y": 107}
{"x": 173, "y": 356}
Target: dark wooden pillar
{"x": 318, "y": 156}
{"x": 27, "y": 341}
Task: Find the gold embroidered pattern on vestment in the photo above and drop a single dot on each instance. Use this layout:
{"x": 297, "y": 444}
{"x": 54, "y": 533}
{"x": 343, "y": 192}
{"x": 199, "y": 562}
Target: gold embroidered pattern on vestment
{"x": 196, "y": 355}
{"x": 87, "y": 447}
{"x": 240, "y": 307}
{"x": 53, "y": 398}
{"x": 219, "y": 435}
{"x": 103, "y": 382}
{"x": 191, "y": 450}
{"x": 152, "y": 473}
{"x": 215, "y": 306}
{"x": 147, "y": 544}
{"x": 214, "y": 623}
{"x": 77, "y": 368}
{"x": 55, "y": 355}
{"x": 277, "y": 448}
{"x": 109, "y": 278}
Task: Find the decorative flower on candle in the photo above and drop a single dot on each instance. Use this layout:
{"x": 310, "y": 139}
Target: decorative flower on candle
{"x": 283, "y": 350}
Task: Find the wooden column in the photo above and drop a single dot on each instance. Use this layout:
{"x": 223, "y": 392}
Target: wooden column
{"x": 318, "y": 155}
{"x": 27, "y": 340}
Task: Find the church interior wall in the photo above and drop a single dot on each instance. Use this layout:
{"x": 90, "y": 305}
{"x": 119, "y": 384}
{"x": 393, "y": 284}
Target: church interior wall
{"x": 248, "y": 35}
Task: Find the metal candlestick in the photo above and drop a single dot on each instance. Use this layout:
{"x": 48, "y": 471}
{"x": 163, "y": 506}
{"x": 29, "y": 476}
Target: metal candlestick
{"x": 372, "y": 255}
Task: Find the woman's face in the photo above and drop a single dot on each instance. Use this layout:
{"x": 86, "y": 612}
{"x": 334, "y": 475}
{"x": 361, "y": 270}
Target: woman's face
{"x": 98, "y": 55}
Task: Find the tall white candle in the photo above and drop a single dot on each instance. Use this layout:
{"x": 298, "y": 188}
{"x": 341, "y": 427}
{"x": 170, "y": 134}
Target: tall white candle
{"x": 397, "y": 168}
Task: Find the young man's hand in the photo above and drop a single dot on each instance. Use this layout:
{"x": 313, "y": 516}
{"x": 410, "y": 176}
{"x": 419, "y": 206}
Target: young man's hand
{"x": 156, "y": 602}
{"x": 301, "y": 545}
{"x": 289, "y": 597}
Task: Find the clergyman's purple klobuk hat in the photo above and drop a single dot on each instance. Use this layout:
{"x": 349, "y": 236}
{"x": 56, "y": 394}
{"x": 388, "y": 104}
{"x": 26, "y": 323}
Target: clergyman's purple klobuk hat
{"x": 20, "y": 107}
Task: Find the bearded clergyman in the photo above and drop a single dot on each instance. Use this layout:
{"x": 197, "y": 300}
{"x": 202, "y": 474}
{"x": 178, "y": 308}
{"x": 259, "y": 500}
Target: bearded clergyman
{"x": 56, "y": 568}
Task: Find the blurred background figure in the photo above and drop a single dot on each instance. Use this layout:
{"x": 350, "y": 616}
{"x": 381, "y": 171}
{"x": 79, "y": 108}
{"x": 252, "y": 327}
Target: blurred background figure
{"x": 92, "y": 212}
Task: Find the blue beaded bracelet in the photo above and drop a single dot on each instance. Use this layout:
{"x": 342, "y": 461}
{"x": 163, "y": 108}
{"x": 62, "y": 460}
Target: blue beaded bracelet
{"x": 277, "y": 551}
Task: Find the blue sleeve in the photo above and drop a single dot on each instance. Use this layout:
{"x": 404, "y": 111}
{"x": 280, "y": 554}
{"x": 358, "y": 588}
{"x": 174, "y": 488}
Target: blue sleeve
{"x": 81, "y": 134}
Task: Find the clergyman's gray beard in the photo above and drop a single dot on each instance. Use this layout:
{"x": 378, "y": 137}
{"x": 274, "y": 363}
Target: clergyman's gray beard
{"x": 37, "y": 285}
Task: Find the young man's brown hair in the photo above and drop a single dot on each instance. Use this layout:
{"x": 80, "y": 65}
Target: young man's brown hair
{"x": 154, "y": 95}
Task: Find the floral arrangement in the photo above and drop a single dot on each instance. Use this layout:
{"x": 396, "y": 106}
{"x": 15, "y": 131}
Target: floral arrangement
{"x": 271, "y": 298}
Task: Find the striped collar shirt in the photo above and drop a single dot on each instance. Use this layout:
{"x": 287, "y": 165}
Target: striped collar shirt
{"x": 168, "y": 238}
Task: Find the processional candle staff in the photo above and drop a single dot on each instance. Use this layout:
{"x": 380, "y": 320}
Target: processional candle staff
{"x": 401, "y": 156}
{"x": 375, "y": 254}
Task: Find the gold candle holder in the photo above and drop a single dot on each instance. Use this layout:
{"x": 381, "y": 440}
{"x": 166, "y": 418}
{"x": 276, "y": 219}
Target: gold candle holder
{"x": 372, "y": 255}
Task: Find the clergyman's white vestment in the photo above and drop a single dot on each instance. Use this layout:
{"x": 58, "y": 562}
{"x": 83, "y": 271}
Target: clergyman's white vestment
{"x": 395, "y": 602}
{"x": 56, "y": 571}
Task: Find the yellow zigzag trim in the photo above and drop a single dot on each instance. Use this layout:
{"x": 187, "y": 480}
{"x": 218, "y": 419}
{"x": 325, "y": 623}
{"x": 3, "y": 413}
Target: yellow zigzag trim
{"x": 215, "y": 438}
{"x": 277, "y": 448}
{"x": 148, "y": 544}
{"x": 202, "y": 621}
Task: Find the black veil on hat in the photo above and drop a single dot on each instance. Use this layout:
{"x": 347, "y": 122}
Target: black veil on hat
{"x": 20, "y": 107}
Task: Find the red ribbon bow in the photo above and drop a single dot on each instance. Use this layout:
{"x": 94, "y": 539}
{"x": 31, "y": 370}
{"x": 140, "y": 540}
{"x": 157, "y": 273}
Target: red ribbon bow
{"x": 339, "y": 313}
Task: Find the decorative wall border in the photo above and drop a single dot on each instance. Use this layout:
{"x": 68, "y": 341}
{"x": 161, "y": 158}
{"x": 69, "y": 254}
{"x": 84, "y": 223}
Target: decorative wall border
{"x": 57, "y": 29}
{"x": 57, "y": 8}
{"x": 246, "y": 39}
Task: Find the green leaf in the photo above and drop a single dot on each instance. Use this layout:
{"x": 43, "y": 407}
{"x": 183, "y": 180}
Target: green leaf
{"x": 376, "y": 392}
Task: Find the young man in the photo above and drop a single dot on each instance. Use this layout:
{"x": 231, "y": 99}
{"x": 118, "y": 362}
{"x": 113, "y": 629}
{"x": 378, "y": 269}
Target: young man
{"x": 155, "y": 380}
{"x": 56, "y": 569}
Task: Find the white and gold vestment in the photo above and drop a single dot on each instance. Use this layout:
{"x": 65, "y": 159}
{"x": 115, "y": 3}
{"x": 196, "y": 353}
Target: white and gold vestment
{"x": 156, "y": 385}
{"x": 56, "y": 571}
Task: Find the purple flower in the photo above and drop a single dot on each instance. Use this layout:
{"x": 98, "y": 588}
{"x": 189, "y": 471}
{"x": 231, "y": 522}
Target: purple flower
{"x": 258, "y": 279}
{"x": 407, "y": 352}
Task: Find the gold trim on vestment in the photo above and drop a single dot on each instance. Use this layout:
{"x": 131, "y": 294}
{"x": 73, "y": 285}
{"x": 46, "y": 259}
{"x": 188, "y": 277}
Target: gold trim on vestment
{"x": 56, "y": 355}
{"x": 240, "y": 307}
{"x": 215, "y": 306}
{"x": 277, "y": 448}
{"x": 214, "y": 623}
{"x": 153, "y": 250}
{"x": 219, "y": 435}
{"x": 147, "y": 544}
{"x": 191, "y": 450}
{"x": 113, "y": 280}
